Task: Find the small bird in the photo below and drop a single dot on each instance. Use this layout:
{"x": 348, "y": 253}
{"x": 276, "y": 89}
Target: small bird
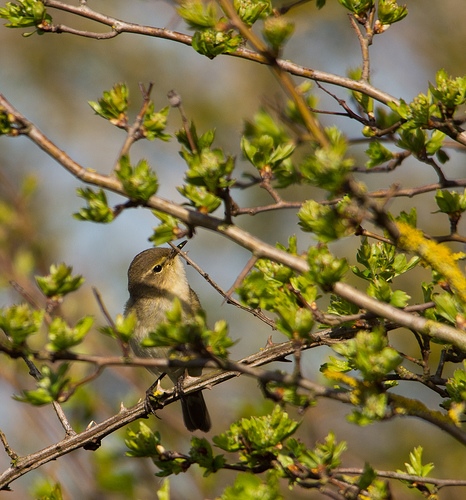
{"x": 155, "y": 278}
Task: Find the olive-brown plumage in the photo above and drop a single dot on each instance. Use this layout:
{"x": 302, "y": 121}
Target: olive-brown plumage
{"x": 155, "y": 278}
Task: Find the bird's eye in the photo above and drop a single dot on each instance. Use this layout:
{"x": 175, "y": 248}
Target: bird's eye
{"x": 157, "y": 268}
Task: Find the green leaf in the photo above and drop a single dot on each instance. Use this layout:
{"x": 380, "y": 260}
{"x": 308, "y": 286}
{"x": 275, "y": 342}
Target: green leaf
{"x": 325, "y": 269}
{"x": 60, "y": 281}
{"x": 139, "y": 182}
{"x": 43, "y": 490}
{"x": 456, "y": 386}
{"x": 97, "y": 209}
{"x": 263, "y": 124}
{"x": 435, "y": 142}
{"x": 326, "y": 454}
{"x": 208, "y": 168}
{"x": 163, "y": 493}
{"x": 450, "y": 92}
{"x": 362, "y": 99}
{"x": 447, "y": 307}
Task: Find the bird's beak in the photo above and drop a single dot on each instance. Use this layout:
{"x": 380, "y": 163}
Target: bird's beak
{"x": 174, "y": 253}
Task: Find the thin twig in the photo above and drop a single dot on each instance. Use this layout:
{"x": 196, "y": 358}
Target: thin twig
{"x": 134, "y": 132}
{"x": 228, "y": 299}
{"x": 102, "y": 307}
{"x": 175, "y": 102}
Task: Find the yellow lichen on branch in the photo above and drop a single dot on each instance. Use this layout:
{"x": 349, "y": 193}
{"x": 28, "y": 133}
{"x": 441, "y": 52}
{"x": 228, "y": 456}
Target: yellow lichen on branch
{"x": 437, "y": 255}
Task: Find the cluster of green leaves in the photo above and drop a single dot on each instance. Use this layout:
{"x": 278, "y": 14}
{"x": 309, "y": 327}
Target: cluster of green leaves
{"x": 378, "y": 154}
{"x": 415, "y": 466}
{"x": 97, "y": 209}
{"x": 451, "y": 203}
{"x": 268, "y": 147}
{"x": 268, "y": 157}
{"x": 370, "y": 355}
{"x": 59, "y": 282}
{"x": 327, "y": 222}
{"x": 139, "y": 182}
{"x": 51, "y": 386}
{"x": 251, "y": 11}
{"x": 328, "y": 167}
{"x": 122, "y": 329}
{"x": 113, "y": 106}
{"x": 209, "y": 170}
{"x": 382, "y": 263}
{"x": 20, "y": 322}
{"x": 167, "y": 230}
{"x": 62, "y": 336}
{"x": 192, "y": 335}
{"x": 456, "y": 388}
{"x": 154, "y": 123}
{"x": 143, "y": 442}
{"x": 212, "y": 35}
{"x": 26, "y": 13}
{"x": 430, "y": 111}
{"x": 324, "y": 268}
{"x": 276, "y": 288}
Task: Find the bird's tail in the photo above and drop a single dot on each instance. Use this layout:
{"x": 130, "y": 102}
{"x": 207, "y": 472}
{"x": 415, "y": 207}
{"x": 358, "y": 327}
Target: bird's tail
{"x": 195, "y": 413}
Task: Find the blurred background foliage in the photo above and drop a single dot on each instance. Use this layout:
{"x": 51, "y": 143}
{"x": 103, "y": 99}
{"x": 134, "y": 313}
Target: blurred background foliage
{"x": 50, "y": 79}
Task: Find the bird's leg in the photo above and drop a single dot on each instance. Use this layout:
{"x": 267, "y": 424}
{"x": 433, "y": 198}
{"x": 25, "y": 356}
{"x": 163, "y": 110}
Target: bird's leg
{"x": 151, "y": 402}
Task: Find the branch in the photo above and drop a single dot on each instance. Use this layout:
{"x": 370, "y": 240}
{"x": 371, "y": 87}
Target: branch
{"x": 118, "y": 26}
{"x": 91, "y": 437}
{"x": 432, "y": 329}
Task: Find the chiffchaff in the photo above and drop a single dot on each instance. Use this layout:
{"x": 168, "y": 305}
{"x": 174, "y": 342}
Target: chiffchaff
{"x": 155, "y": 278}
